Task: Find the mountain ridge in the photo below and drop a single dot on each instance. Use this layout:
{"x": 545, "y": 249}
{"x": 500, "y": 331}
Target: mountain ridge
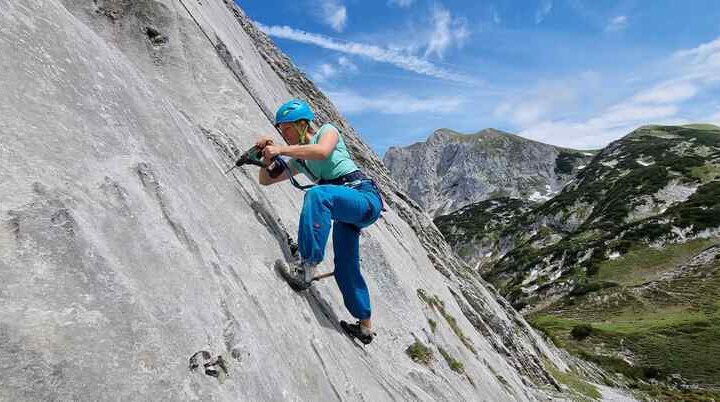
{"x": 450, "y": 170}
{"x": 622, "y": 266}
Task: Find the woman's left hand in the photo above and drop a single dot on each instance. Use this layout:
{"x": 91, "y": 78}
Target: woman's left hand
{"x": 270, "y": 152}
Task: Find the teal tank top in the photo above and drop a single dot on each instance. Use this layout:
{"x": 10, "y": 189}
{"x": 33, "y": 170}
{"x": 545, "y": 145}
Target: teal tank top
{"x": 336, "y": 165}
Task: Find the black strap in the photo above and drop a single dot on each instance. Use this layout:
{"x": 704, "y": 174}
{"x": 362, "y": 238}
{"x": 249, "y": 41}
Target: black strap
{"x": 305, "y": 166}
{"x": 356, "y": 176}
{"x": 346, "y": 178}
{"x": 294, "y": 182}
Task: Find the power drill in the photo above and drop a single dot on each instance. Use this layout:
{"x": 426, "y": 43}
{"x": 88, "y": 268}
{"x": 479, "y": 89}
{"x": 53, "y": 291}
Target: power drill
{"x": 253, "y": 156}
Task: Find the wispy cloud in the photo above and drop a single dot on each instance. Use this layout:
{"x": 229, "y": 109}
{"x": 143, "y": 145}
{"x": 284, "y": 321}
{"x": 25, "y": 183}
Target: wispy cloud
{"x": 543, "y": 10}
{"x": 350, "y": 102}
{"x": 547, "y": 98}
{"x": 667, "y": 92}
{"x": 326, "y": 71}
{"x": 599, "y": 131}
{"x": 690, "y": 73}
{"x": 616, "y": 24}
{"x": 348, "y": 65}
{"x": 447, "y": 31}
{"x": 703, "y": 62}
{"x": 400, "y": 3}
{"x": 397, "y": 58}
{"x": 334, "y": 14}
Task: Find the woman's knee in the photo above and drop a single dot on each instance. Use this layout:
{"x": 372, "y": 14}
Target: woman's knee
{"x": 314, "y": 192}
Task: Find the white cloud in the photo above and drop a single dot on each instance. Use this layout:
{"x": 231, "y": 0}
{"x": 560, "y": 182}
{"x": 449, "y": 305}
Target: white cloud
{"x": 632, "y": 114}
{"x": 376, "y": 53}
{"x": 691, "y": 72}
{"x": 701, "y": 63}
{"x": 668, "y": 92}
{"x": 612, "y": 123}
{"x": 543, "y": 10}
{"x": 392, "y": 103}
{"x": 333, "y": 14}
{"x": 688, "y": 74}
{"x": 324, "y": 72}
{"x": 546, "y": 98}
{"x": 447, "y": 31}
{"x": 400, "y": 3}
{"x": 347, "y": 64}
{"x": 617, "y": 24}
{"x": 702, "y": 53}
{"x": 598, "y": 131}
{"x": 591, "y": 134}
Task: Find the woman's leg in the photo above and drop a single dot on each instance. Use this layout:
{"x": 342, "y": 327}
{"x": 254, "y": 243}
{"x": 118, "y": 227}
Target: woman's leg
{"x": 349, "y": 209}
{"x": 346, "y": 245}
{"x": 321, "y": 206}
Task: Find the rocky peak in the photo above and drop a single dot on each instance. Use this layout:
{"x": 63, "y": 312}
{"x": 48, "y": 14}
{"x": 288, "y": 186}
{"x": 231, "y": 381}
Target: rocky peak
{"x": 451, "y": 170}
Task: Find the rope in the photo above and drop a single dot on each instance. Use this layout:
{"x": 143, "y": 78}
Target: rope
{"x": 240, "y": 76}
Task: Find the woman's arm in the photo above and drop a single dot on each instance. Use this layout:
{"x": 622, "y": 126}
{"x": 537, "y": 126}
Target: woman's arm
{"x": 265, "y": 179}
{"x": 319, "y": 151}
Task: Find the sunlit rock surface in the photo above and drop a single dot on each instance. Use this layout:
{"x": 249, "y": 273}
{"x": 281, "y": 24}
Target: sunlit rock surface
{"x": 127, "y": 257}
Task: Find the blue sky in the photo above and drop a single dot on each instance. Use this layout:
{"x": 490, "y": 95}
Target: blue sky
{"x": 575, "y": 73}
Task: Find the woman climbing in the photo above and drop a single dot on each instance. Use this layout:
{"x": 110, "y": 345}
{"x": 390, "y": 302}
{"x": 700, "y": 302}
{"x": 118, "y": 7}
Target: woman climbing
{"x": 343, "y": 197}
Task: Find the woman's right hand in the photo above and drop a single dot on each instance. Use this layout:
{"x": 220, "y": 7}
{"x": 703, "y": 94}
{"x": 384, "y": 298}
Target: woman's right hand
{"x": 262, "y": 142}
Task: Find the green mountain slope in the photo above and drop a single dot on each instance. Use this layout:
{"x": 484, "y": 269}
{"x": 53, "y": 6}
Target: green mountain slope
{"x": 622, "y": 267}
{"x": 665, "y": 329}
{"x": 476, "y": 232}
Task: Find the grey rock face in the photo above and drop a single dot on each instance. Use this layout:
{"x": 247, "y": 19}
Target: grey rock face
{"x": 451, "y": 170}
{"x": 132, "y": 268}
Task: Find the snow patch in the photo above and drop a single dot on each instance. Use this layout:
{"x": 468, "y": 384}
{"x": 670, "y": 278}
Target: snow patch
{"x": 586, "y": 256}
{"x": 643, "y": 163}
{"x": 556, "y": 275}
{"x": 537, "y": 197}
{"x": 614, "y": 255}
{"x": 529, "y": 289}
{"x": 533, "y": 275}
{"x": 681, "y": 233}
{"x": 610, "y": 164}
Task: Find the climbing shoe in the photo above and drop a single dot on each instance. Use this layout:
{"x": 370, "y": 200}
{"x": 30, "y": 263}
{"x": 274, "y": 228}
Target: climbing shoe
{"x": 358, "y": 331}
{"x": 299, "y": 275}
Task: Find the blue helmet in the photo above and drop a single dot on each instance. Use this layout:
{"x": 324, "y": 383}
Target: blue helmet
{"x": 293, "y": 110}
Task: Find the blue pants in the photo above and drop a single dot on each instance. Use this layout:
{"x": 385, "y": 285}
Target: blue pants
{"x": 351, "y": 209}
